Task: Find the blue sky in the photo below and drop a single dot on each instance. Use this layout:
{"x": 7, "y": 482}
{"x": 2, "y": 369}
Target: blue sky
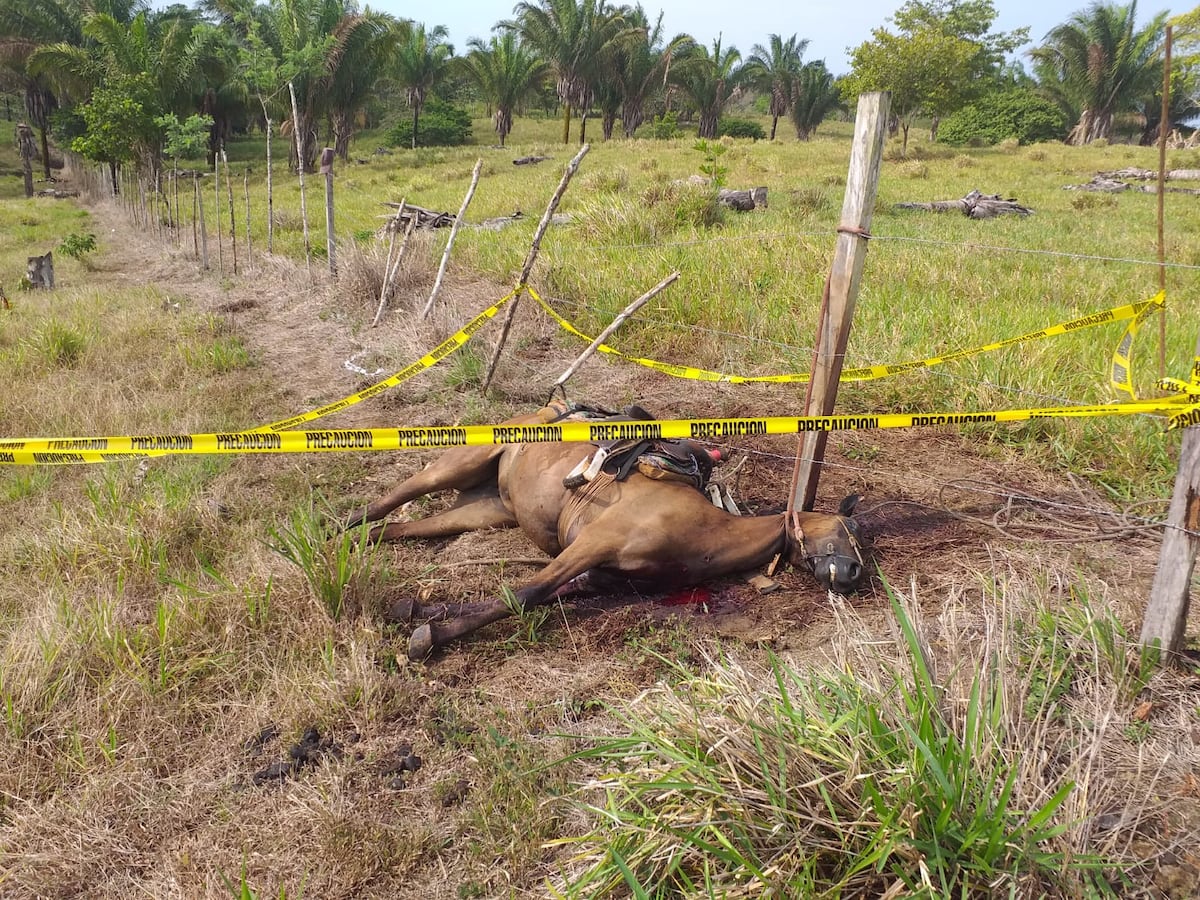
{"x": 830, "y": 27}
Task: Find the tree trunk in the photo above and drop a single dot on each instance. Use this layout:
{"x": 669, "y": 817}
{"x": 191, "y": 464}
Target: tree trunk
{"x": 774, "y": 125}
{"x": 416, "y": 116}
{"x": 607, "y": 123}
{"x": 583, "y": 128}
{"x": 904, "y": 142}
{"x": 27, "y": 151}
{"x": 45, "y": 152}
{"x": 933, "y": 128}
{"x": 343, "y": 130}
{"x": 631, "y": 117}
{"x": 707, "y": 127}
{"x": 112, "y": 173}
{"x": 566, "y": 123}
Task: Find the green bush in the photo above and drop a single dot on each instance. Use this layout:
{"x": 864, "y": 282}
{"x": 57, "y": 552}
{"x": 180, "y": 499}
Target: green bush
{"x": 665, "y": 127}
{"x": 741, "y": 128}
{"x": 440, "y": 125}
{"x": 1018, "y": 114}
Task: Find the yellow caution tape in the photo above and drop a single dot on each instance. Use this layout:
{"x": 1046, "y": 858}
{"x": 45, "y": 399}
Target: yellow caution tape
{"x": 101, "y": 449}
{"x": 1122, "y": 364}
{"x": 870, "y": 373}
{"x": 430, "y": 359}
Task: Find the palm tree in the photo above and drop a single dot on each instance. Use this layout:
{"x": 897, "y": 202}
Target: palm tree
{"x": 639, "y": 65}
{"x": 1098, "y": 64}
{"x": 773, "y": 69}
{"x": 814, "y": 96}
{"x": 708, "y": 80}
{"x": 365, "y": 54}
{"x": 576, "y": 37}
{"x": 420, "y": 65}
{"x": 507, "y": 72}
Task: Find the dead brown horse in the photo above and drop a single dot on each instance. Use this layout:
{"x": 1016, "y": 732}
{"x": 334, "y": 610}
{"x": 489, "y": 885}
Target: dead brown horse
{"x": 641, "y": 529}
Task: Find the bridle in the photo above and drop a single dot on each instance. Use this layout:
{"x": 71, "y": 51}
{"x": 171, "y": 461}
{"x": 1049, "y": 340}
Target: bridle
{"x": 831, "y": 560}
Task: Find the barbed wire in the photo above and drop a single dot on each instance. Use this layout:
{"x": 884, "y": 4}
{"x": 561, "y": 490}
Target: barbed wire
{"x": 878, "y": 237}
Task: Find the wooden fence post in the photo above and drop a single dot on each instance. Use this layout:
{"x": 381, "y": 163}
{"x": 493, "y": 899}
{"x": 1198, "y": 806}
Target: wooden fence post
{"x": 233, "y": 240}
{"x": 841, "y": 289}
{"x": 330, "y": 243}
{"x": 1167, "y": 610}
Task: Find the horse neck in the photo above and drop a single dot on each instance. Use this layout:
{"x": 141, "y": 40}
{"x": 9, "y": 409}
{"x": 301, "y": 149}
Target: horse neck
{"x": 751, "y": 541}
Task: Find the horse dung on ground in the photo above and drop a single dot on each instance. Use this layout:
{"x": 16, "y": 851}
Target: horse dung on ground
{"x": 628, "y": 508}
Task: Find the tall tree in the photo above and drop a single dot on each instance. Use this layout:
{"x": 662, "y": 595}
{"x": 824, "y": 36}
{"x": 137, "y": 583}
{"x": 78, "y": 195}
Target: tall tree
{"x": 576, "y": 37}
{"x": 507, "y": 72}
{"x": 773, "y": 69}
{"x": 1102, "y": 64}
{"x": 814, "y": 96}
{"x": 421, "y": 62}
{"x": 707, "y": 78}
{"x": 640, "y": 63}
{"x": 365, "y": 54}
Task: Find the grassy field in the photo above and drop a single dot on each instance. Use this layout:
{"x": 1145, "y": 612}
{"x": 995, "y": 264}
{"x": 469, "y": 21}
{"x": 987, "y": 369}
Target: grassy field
{"x": 199, "y": 697}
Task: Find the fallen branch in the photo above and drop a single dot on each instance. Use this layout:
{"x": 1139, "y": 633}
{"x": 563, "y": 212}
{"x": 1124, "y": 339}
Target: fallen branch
{"x": 424, "y": 218}
{"x": 437, "y": 284}
{"x": 529, "y": 160}
{"x": 974, "y": 205}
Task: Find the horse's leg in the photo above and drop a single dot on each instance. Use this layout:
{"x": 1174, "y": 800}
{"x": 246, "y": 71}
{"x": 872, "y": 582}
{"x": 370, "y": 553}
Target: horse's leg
{"x": 575, "y": 560}
{"x": 460, "y": 469}
{"x": 470, "y": 513}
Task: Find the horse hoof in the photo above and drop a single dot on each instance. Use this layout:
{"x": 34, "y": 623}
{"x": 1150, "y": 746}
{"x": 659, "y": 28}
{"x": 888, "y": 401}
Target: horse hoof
{"x": 400, "y": 613}
{"x": 420, "y": 645}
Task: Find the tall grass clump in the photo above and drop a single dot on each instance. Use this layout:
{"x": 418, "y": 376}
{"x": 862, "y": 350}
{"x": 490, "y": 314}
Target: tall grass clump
{"x": 969, "y": 773}
{"x": 340, "y": 569}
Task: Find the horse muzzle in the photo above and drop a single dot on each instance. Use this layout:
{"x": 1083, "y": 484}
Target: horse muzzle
{"x": 837, "y": 573}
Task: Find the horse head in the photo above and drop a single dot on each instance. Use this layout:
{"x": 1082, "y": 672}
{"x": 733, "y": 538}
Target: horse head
{"x": 829, "y": 547}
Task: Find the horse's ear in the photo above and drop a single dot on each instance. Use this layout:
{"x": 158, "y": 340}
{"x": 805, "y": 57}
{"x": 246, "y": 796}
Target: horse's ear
{"x": 849, "y": 504}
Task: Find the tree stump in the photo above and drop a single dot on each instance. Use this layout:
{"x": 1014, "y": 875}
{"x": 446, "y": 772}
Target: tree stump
{"x": 743, "y": 201}
{"x": 40, "y": 271}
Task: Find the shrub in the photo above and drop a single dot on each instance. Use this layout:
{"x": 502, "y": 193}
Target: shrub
{"x": 440, "y": 125}
{"x": 665, "y": 127}
{"x": 1018, "y": 114}
{"x": 741, "y": 128}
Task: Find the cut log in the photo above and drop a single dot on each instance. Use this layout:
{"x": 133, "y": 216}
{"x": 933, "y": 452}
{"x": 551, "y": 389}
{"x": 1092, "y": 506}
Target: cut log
{"x": 530, "y": 160}
{"x": 424, "y": 218}
{"x": 743, "y": 201}
{"x": 974, "y": 205}
{"x": 1106, "y": 183}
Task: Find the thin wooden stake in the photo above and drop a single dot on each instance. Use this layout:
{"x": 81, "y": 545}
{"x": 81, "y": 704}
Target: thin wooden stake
{"x": 232, "y": 221}
{"x": 1167, "y": 611}
{"x": 270, "y": 189}
{"x": 203, "y": 228}
{"x": 195, "y": 235}
{"x": 387, "y": 263}
{"x": 1163, "y": 125}
{"x": 437, "y": 284}
{"x": 300, "y": 171}
{"x": 531, "y": 258}
{"x": 217, "y": 213}
{"x": 615, "y": 324}
{"x": 390, "y": 275}
{"x": 841, "y": 289}
{"x": 246, "y": 194}
{"x": 330, "y": 242}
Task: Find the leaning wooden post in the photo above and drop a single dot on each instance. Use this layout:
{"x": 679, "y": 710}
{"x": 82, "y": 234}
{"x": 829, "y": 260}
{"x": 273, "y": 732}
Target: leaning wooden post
{"x": 615, "y": 324}
{"x": 437, "y": 284}
{"x": 531, "y": 258}
{"x": 841, "y": 289}
{"x": 300, "y": 171}
{"x": 330, "y": 243}
{"x": 28, "y": 150}
{"x": 1167, "y": 611}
